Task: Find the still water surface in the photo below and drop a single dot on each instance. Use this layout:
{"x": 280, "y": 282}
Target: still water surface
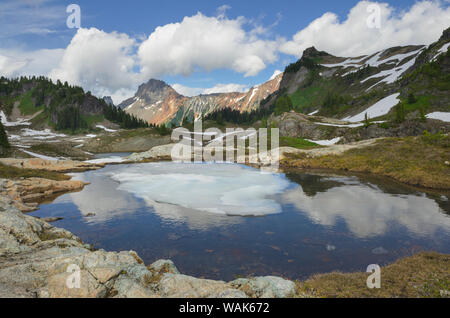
{"x": 220, "y": 221}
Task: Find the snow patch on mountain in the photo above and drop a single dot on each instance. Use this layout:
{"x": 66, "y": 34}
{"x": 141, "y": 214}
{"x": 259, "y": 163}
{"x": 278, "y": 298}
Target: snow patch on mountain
{"x": 380, "y": 108}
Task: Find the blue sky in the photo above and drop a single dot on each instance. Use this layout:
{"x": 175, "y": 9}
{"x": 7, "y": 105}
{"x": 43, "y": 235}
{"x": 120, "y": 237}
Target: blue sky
{"x": 262, "y": 30}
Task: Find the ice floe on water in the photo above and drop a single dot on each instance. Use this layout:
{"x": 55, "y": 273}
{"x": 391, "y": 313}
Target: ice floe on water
{"x": 380, "y": 108}
{"x": 439, "y": 115}
{"x": 212, "y": 188}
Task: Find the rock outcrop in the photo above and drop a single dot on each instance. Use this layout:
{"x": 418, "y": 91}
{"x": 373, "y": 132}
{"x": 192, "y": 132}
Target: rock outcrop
{"x": 39, "y": 260}
{"x": 50, "y": 165}
{"x": 26, "y": 194}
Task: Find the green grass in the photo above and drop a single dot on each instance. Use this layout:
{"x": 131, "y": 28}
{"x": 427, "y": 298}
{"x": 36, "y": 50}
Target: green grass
{"x": 7, "y": 104}
{"x": 27, "y": 106}
{"x": 423, "y": 275}
{"x": 418, "y": 161}
{"x": 306, "y": 98}
{"x": 422, "y": 102}
{"x": 298, "y": 143}
{"x": 91, "y": 120}
{"x": 9, "y": 172}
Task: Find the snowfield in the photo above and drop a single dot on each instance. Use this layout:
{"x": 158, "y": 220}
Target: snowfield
{"x": 40, "y": 134}
{"x": 440, "y": 116}
{"x": 6, "y": 123}
{"x": 40, "y": 156}
{"x": 443, "y": 49}
{"x": 105, "y": 129}
{"x": 114, "y": 159}
{"x": 378, "y": 109}
{"x": 326, "y": 142}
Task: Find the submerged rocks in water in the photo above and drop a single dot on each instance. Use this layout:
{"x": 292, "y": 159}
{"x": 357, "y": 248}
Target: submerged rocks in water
{"x": 379, "y": 251}
{"x": 38, "y": 260}
{"x": 51, "y": 219}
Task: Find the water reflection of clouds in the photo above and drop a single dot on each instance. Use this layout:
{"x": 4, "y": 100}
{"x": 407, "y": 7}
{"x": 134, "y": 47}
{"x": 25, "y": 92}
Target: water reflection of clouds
{"x": 368, "y": 211}
{"x": 181, "y": 196}
{"x": 103, "y": 199}
{"x": 193, "y": 219}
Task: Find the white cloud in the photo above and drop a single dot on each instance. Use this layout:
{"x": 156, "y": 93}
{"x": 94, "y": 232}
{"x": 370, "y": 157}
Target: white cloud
{"x": 15, "y": 63}
{"x": 219, "y": 88}
{"x": 226, "y": 88}
{"x": 99, "y": 61}
{"x": 115, "y": 63}
{"x": 423, "y": 23}
{"x": 205, "y": 43}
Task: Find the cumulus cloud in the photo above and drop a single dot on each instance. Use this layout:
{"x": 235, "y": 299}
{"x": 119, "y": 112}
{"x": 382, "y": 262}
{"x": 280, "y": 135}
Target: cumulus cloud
{"x": 205, "y": 43}
{"x": 226, "y": 88}
{"x": 423, "y": 23}
{"x": 115, "y": 63}
{"x": 15, "y": 62}
{"x": 219, "y": 88}
{"x": 98, "y": 60}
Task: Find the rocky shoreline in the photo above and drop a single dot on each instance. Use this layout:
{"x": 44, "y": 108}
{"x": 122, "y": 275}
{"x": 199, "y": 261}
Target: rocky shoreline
{"x": 37, "y": 259}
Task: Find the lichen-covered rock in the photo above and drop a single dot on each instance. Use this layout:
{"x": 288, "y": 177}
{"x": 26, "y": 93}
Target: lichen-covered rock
{"x": 182, "y": 286}
{"x": 164, "y": 265}
{"x": 157, "y": 152}
{"x": 265, "y": 287}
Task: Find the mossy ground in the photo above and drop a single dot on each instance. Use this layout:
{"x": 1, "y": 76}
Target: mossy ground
{"x": 298, "y": 143}
{"x": 420, "y": 161}
{"x": 426, "y": 274}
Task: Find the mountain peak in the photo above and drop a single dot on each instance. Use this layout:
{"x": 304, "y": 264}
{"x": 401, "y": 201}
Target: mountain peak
{"x": 313, "y": 52}
{"x": 153, "y": 85}
{"x": 155, "y": 90}
{"x": 445, "y": 35}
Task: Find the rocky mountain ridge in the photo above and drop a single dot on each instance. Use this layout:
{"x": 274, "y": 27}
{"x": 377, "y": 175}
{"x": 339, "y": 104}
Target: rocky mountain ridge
{"x": 159, "y": 103}
{"x": 338, "y": 87}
